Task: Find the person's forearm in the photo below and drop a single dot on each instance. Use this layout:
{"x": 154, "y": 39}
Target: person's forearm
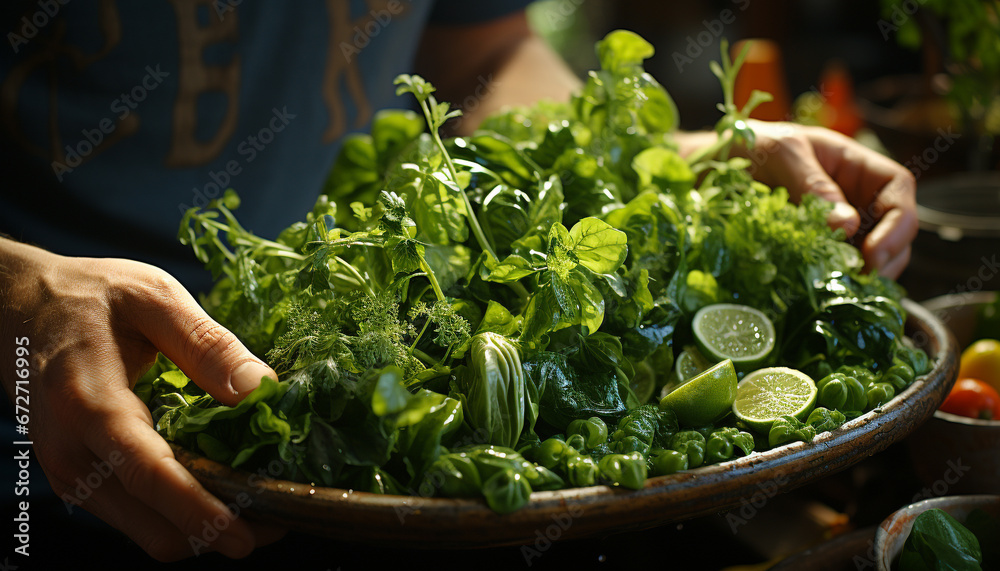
{"x": 484, "y": 68}
{"x": 690, "y": 141}
{"x": 532, "y": 73}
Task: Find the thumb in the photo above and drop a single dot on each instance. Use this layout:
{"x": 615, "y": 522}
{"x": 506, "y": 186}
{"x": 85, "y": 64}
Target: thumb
{"x": 207, "y": 352}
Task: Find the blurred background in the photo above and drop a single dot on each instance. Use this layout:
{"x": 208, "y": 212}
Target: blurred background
{"x": 918, "y": 80}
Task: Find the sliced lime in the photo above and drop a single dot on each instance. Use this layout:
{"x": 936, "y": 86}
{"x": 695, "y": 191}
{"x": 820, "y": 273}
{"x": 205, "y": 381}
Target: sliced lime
{"x": 732, "y": 331}
{"x": 765, "y": 394}
{"x": 643, "y": 383}
{"x": 705, "y": 398}
{"x": 690, "y": 363}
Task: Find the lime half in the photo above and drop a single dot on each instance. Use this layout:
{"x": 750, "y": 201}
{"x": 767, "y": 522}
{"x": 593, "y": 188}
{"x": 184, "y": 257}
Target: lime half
{"x": 690, "y": 363}
{"x": 643, "y": 382}
{"x": 765, "y": 394}
{"x": 732, "y": 331}
{"x": 705, "y": 398}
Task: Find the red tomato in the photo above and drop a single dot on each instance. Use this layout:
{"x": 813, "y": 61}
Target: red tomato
{"x": 973, "y": 398}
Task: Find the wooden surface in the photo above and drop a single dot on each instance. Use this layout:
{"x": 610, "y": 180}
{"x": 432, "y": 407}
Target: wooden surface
{"x": 584, "y": 512}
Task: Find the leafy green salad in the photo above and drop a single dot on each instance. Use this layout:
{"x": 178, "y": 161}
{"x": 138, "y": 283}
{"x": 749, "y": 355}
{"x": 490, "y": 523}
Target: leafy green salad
{"x": 558, "y": 300}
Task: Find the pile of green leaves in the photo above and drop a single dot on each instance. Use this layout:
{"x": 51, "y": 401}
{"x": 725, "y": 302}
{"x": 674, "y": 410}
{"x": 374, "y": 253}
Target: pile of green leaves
{"x": 451, "y": 311}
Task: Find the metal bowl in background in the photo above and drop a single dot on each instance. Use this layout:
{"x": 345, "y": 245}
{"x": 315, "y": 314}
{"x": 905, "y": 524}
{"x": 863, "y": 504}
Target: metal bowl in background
{"x": 958, "y": 247}
{"x": 892, "y": 533}
{"x": 952, "y": 454}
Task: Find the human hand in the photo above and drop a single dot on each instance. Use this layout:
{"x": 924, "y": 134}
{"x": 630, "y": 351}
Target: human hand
{"x": 874, "y": 197}
{"x": 93, "y": 327}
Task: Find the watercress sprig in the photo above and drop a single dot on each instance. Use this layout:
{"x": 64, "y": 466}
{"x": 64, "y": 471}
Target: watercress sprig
{"x": 437, "y": 114}
{"x": 732, "y": 127}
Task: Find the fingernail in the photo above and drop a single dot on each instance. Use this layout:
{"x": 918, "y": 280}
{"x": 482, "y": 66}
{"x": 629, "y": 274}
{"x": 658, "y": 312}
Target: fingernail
{"x": 233, "y": 546}
{"x": 246, "y": 377}
{"x": 841, "y": 214}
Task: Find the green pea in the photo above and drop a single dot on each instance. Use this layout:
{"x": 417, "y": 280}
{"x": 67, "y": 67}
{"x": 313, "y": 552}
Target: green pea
{"x": 663, "y": 462}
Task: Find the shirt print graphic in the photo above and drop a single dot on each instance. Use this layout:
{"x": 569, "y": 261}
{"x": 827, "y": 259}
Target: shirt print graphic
{"x": 194, "y": 77}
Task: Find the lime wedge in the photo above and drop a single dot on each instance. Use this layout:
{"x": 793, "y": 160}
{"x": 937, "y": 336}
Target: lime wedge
{"x": 690, "y": 363}
{"x": 643, "y": 382}
{"x": 732, "y": 331}
{"x": 765, "y": 394}
{"x": 705, "y": 398}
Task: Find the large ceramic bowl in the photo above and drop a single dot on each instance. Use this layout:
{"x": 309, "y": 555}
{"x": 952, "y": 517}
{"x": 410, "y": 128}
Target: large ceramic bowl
{"x": 953, "y": 454}
{"x": 892, "y": 533}
{"x": 747, "y": 482}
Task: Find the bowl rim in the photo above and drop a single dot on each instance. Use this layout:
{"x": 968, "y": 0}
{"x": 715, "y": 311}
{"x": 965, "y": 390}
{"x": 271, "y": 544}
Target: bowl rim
{"x": 958, "y": 299}
{"x": 959, "y": 419}
{"x": 882, "y": 534}
{"x": 965, "y": 224}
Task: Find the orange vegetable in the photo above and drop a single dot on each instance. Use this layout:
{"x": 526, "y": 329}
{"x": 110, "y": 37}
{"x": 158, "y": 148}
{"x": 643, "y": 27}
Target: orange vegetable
{"x": 973, "y": 398}
{"x": 981, "y": 360}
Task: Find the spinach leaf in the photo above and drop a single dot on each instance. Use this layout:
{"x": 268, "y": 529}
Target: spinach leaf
{"x": 937, "y": 541}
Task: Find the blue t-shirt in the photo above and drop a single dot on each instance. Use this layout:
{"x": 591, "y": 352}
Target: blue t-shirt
{"x": 118, "y": 116}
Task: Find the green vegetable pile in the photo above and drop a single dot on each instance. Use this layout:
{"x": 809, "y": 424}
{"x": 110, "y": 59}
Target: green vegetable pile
{"x": 491, "y": 315}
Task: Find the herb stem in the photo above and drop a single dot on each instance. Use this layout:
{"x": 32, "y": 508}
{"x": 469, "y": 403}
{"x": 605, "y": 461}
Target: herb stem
{"x": 712, "y": 150}
{"x": 434, "y": 282}
{"x": 427, "y": 359}
{"x": 357, "y": 275}
{"x": 413, "y": 347}
{"x": 287, "y": 254}
{"x": 240, "y": 237}
{"x": 275, "y": 245}
{"x": 520, "y": 290}
{"x": 477, "y": 230}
